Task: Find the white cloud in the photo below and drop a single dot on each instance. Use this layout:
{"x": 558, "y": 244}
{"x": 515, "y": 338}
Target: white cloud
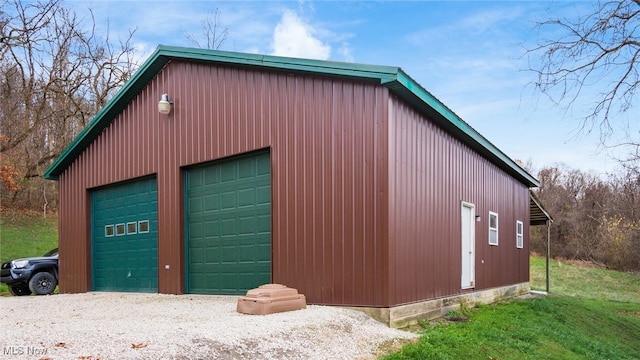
{"x": 489, "y": 20}
{"x": 141, "y": 52}
{"x": 345, "y": 51}
{"x": 292, "y": 37}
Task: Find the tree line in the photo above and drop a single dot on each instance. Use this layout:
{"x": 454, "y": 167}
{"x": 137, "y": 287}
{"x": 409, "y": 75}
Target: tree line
{"x": 56, "y": 72}
{"x": 594, "y": 218}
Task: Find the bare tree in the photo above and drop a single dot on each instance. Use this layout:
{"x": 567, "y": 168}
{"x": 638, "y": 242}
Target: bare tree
{"x": 601, "y": 48}
{"x": 596, "y": 220}
{"x": 213, "y": 33}
{"x": 55, "y": 73}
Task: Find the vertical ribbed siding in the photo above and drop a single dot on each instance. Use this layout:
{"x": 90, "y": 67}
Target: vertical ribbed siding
{"x": 327, "y": 139}
{"x": 430, "y": 174}
{"x": 340, "y": 152}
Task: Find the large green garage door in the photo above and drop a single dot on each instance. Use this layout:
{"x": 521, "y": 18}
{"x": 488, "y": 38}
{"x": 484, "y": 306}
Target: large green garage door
{"x": 125, "y": 237}
{"x": 228, "y": 210}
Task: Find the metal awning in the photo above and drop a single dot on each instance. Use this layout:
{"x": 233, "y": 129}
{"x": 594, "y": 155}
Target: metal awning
{"x": 538, "y": 215}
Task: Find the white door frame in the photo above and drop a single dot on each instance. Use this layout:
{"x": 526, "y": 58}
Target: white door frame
{"x": 468, "y": 248}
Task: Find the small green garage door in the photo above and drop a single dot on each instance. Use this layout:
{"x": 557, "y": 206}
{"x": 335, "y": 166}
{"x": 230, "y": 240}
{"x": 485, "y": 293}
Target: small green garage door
{"x": 125, "y": 237}
{"x": 228, "y": 211}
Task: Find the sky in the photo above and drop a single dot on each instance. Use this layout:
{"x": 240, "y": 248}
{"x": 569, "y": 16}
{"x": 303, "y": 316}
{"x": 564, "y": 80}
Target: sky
{"x": 471, "y": 55}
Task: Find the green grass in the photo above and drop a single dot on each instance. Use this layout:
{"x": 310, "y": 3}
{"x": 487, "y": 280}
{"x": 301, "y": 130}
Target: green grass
{"x": 26, "y": 235}
{"x": 592, "y": 314}
{"x": 540, "y": 328}
{"x": 585, "y": 281}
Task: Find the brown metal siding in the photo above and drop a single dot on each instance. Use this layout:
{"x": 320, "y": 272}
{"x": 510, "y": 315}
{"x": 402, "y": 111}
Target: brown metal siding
{"x": 351, "y": 169}
{"x": 430, "y": 174}
{"x": 327, "y": 139}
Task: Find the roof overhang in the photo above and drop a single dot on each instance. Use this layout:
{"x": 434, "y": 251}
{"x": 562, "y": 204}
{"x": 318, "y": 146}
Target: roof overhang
{"x": 393, "y": 78}
{"x": 538, "y": 215}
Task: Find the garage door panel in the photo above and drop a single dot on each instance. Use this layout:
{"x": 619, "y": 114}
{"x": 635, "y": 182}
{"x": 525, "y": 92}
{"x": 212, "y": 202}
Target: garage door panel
{"x": 228, "y": 227}
{"x": 228, "y": 172}
{"x": 263, "y": 195}
{"x": 196, "y": 206}
{"x": 211, "y": 202}
{"x": 196, "y": 255}
{"x": 212, "y": 228}
{"x": 127, "y": 260}
{"x": 247, "y": 225}
{"x": 209, "y": 176}
{"x": 263, "y": 224}
{"x": 246, "y": 197}
{"x": 237, "y": 238}
{"x": 246, "y": 169}
{"x": 228, "y": 200}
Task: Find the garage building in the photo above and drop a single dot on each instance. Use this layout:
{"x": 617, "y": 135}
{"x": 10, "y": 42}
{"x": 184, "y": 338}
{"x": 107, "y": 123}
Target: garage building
{"x": 349, "y": 182}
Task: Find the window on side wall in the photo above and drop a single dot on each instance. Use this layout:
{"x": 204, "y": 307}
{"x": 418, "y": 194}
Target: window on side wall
{"x": 519, "y": 234}
{"x": 493, "y": 228}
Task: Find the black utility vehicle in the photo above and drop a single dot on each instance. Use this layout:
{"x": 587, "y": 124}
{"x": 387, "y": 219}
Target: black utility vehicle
{"x": 38, "y": 275}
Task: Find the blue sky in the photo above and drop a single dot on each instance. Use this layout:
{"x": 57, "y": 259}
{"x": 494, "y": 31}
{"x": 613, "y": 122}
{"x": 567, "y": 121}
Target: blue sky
{"x": 469, "y": 54}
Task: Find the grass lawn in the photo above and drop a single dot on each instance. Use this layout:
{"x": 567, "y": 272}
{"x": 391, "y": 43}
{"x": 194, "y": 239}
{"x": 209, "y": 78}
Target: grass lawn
{"x": 24, "y": 236}
{"x": 592, "y": 313}
{"x": 585, "y": 281}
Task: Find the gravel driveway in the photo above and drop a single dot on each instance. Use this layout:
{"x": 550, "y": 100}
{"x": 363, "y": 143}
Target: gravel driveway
{"x": 156, "y": 326}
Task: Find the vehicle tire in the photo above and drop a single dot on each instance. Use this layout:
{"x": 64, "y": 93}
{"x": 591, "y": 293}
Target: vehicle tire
{"x": 19, "y": 290}
{"x": 43, "y": 283}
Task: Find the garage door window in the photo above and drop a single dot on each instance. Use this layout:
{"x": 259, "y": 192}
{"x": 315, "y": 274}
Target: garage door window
{"x": 109, "y": 231}
{"x": 132, "y": 228}
{"x": 143, "y": 226}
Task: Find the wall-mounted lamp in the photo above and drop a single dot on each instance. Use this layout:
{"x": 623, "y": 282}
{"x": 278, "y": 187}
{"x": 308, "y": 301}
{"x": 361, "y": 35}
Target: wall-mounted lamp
{"x": 164, "y": 105}
{"x": 478, "y": 219}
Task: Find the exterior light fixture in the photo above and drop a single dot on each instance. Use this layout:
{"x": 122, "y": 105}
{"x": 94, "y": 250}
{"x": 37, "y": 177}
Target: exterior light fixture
{"x": 164, "y": 105}
{"x": 478, "y": 218}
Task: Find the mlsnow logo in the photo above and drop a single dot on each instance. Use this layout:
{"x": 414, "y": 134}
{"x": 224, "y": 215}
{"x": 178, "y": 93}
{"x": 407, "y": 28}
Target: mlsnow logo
{"x": 23, "y": 350}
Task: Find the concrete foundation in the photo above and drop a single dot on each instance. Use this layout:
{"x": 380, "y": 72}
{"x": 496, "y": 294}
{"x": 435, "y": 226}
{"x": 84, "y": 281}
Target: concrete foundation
{"x": 409, "y": 314}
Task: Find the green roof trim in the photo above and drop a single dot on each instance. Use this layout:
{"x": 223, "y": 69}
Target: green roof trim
{"x": 393, "y": 78}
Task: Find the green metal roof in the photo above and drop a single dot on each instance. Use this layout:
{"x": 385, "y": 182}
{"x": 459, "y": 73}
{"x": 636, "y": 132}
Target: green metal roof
{"x": 393, "y": 78}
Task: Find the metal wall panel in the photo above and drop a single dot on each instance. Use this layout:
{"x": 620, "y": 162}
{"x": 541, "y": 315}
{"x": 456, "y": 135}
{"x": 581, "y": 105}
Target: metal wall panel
{"x": 430, "y": 174}
{"x": 329, "y": 173}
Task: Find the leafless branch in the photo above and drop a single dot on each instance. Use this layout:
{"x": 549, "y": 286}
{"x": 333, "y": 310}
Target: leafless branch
{"x": 213, "y": 33}
{"x": 599, "y": 50}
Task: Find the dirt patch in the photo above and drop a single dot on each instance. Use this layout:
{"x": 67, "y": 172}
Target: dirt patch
{"x": 635, "y": 314}
{"x": 583, "y": 263}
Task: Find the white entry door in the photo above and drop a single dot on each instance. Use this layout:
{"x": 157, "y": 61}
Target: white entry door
{"x": 468, "y": 245}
